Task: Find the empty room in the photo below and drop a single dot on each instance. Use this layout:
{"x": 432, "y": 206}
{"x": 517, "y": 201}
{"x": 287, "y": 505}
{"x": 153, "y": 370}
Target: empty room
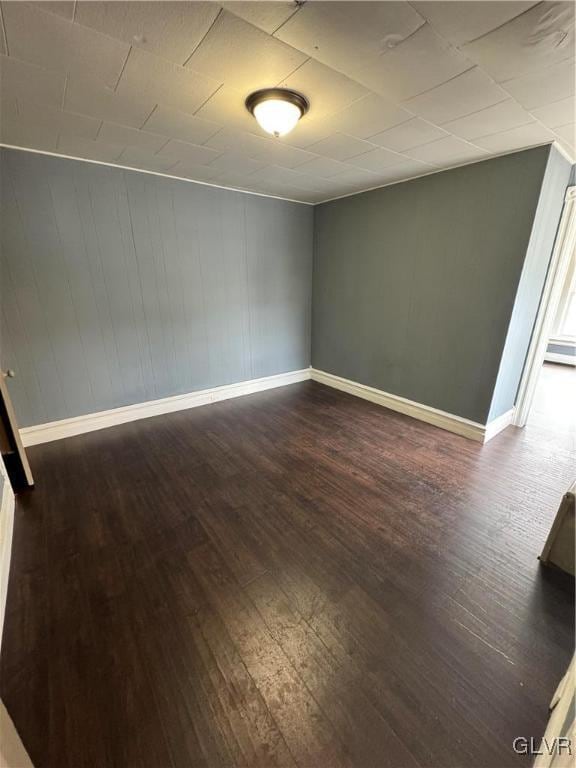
{"x": 287, "y": 384}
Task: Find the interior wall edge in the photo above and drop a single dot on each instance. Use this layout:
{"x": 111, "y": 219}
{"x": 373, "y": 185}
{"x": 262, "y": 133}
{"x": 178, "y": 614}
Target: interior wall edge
{"x": 530, "y": 286}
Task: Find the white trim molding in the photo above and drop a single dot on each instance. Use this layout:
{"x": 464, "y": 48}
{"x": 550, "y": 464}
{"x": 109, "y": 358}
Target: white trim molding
{"x": 473, "y": 430}
{"x": 78, "y": 425}
{"x": 6, "y": 531}
{"x": 498, "y": 424}
{"x": 553, "y": 143}
{"x": 151, "y": 173}
{"x": 550, "y": 142}
{"x": 559, "y": 357}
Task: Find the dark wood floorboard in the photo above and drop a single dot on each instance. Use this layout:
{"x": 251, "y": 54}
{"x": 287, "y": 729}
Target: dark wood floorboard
{"x": 295, "y": 578}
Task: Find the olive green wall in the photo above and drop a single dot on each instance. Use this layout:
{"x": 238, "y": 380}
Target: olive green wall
{"x": 415, "y": 283}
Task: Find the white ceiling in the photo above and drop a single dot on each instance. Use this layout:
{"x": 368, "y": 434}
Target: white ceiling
{"x": 397, "y": 89}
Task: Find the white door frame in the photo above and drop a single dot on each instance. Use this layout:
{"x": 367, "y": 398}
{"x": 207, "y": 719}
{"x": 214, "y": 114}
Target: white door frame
{"x": 6, "y": 530}
{"x": 12, "y": 751}
{"x": 563, "y": 249}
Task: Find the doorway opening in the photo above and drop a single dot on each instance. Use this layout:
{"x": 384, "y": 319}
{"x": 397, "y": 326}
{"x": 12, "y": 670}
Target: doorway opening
{"x": 554, "y": 404}
{"x": 546, "y": 392}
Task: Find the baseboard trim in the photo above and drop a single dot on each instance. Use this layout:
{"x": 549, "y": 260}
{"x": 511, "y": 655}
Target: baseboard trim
{"x": 472, "y": 430}
{"x": 78, "y": 425}
{"x": 499, "y": 424}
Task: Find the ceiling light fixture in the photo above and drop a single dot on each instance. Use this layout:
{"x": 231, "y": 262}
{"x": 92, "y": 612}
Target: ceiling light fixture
{"x": 277, "y": 110}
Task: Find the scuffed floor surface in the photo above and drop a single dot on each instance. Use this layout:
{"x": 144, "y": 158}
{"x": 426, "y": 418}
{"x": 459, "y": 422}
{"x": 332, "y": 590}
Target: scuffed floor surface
{"x": 294, "y": 578}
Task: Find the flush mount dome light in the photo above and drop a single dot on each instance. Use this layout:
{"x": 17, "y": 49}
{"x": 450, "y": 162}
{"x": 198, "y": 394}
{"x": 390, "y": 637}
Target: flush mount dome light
{"x": 277, "y": 110}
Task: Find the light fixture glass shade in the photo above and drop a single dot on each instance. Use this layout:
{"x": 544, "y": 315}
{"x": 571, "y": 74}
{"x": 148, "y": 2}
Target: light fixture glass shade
{"x": 277, "y": 110}
{"x": 276, "y": 116}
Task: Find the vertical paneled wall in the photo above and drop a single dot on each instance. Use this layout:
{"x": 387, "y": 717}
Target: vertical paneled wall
{"x": 119, "y": 287}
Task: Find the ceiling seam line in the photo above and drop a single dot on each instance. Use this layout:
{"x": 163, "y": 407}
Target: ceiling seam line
{"x": 204, "y": 36}
{"x": 491, "y": 31}
{"x": 411, "y": 115}
{"x": 4, "y": 35}
{"x": 425, "y": 23}
{"x": 64, "y": 92}
{"x": 208, "y": 99}
{"x": 474, "y": 112}
{"x": 123, "y": 68}
{"x": 154, "y": 108}
{"x": 523, "y": 125}
{"x": 437, "y": 170}
{"x": 458, "y": 46}
{"x": 548, "y": 103}
{"x": 428, "y": 90}
{"x": 168, "y": 140}
{"x": 399, "y": 101}
{"x": 294, "y": 70}
{"x": 535, "y": 73}
{"x": 298, "y": 8}
{"x": 448, "y": 136}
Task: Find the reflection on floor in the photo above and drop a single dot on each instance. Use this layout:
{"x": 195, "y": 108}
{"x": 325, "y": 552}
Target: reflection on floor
{"x": 554, "y": 406}
{"x": 293, "y": 578}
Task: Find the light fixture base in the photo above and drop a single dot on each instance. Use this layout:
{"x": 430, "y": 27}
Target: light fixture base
{"x": 277, "y": 110}
{"x": 283, "y": 94}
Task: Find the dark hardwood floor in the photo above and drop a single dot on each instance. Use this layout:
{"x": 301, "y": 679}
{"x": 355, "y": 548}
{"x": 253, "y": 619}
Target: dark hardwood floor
{"x": 294, "y": 578}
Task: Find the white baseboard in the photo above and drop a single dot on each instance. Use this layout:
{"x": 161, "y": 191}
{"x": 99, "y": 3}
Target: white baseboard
{"x": 497, "y": 425}
{"x": 78, "y": 425}
{"x": 57, "y": 430}
{"x": 558, "y": 357}
{"x": 473, "y": 430}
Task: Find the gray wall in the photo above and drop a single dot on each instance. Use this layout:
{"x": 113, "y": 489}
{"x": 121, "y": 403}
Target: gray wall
{"x": 119, "y": 287}
{"x": 531, "y": 283}
{"x": 415, "y": 283}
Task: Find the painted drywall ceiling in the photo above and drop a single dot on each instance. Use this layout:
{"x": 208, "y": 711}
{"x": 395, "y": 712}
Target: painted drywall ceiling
{"x": 397, "y": 89}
